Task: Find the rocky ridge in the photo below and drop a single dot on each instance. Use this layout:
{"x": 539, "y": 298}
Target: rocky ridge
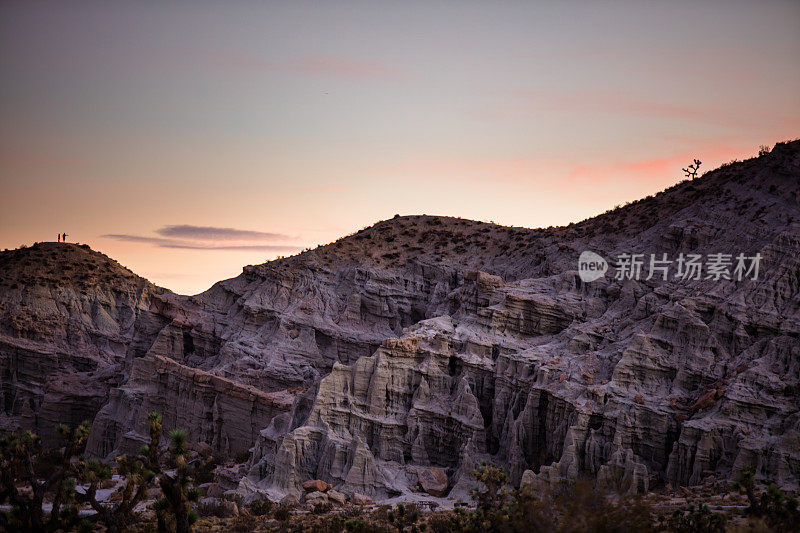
{"x": 66, "y": 318}
{"x": 433, "y": 343}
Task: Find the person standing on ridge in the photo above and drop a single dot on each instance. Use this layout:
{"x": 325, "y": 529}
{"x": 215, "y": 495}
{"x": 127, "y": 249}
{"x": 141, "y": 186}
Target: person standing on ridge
{"x": 59, "y": 237}
{"x": 65, "y": 237}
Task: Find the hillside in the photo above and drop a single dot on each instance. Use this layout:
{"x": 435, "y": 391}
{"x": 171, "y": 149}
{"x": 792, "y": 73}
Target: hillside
{"x": 427, "y": 341}
{"x": 762, "y": 191}
{"x": 66, "y": 313}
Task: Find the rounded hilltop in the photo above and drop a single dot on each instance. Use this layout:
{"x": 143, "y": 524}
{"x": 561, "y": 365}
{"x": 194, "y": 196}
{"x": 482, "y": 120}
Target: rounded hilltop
{"x": 63, "y": 264}
{"x": 743, "y": 193}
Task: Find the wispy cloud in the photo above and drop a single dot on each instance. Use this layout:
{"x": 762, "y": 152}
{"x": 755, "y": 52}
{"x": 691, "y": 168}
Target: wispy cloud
{"x": 243, "y": 247}
{"x": 525, "y": 102}
{"x": 188, "y": 237}
{"x": 174, "y": 243}
{"x": 555, "y": 172}
{"x": 185, "y": 231}
{"x": 595, "y": 102}
{"x": 137, "y": 238}
{"x": 339, "y": 67}
{"x": 322, "y": 65}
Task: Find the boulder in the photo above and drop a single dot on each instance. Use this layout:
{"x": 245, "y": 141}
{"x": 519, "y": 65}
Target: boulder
{"x": 360, "y": 499}
{"x": 211, "y": 490}
{"x": 203, "y": 449}
{"x": 315, "y": 485}
{"x": 705, "y": 400}
{"x": 528, "y": 477}
{"x": 336, "y": 497}
{"x": 434, "y": 481}
{"x": 290, "y": 500}
{"x": 203, "y": 488}
{"x": 228, "y": 509}
{"x": 222, "y": 508}
{"x": 313, "y": 498}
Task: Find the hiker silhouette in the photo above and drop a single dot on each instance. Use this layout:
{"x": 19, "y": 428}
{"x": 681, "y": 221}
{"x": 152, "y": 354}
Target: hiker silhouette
{"x": 65, "y": 237}
{"x": 59, "y": 237}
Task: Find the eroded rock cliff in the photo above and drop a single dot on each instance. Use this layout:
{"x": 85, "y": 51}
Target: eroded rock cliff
{"x": 427, "y": 344}
{"x": 66, "y": 319}
{"x": 637, "y": 382}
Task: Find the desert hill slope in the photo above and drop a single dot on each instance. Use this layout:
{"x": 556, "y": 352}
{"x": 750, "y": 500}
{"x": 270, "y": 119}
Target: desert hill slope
{"x": 66, "y": 314}
{"x": 433, "y": 341}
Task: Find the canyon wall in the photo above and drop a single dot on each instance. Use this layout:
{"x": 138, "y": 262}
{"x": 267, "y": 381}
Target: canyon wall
{"x": 428, "y": 341}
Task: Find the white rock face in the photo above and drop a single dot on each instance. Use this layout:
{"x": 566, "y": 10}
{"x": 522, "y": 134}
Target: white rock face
{"x": 437, "y": 342}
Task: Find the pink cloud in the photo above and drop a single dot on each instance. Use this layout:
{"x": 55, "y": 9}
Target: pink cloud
{"x": 596, "y": 102}
{"x": 656, "y": 169}
{"x": 554, "y": 173}
{"x": 342, "y": 68}
{"x": 616, "y": 104}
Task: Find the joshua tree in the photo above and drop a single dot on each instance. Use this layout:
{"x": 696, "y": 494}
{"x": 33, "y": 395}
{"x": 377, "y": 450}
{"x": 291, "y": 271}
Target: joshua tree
{"x": 24, "y": 461}
{"x": 171, "y": 472}
{"x": 691, "y": 170}
{"x": 176, "y": 486}
{"x": 116, "y": 516}
{"x": 493, "y": 479}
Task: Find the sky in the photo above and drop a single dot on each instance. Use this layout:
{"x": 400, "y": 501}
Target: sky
{"x": 188, "y": 139}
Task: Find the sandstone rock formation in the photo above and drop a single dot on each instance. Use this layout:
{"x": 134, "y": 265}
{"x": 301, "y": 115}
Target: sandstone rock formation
{"x": 636, "y": 382}
{"x": 430, "y": 343}
{"x": 66, "y": 318}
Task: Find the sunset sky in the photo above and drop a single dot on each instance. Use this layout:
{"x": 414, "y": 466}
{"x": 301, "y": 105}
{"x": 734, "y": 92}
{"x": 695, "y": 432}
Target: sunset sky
{"x": 189, "y": 139}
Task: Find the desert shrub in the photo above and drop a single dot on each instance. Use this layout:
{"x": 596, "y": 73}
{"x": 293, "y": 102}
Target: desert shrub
{"x": 404, "y": 518}
{"x": 492, "y": 478}
{"x": 327, "y": 524}
{"x": 244, "y": 523}
{"x": 447, "y": 522}
{"x": 351, "y": 511}
{"x": 779, "y": 511}
{"x": 321, "y": 508}
{"x": 381, "y": 513}
{"x": 579, "y": 506}
{"x": 260, "y": 507}
{"x": 175, "y": 477}
{"x": 213, "y": 507}
{"x": 283, "y": 513}
{"x": 356, "y": 525}
{"x": 238, "y": 499}
{"x": 695, "y": 519}
{"x": 29, "y": 473}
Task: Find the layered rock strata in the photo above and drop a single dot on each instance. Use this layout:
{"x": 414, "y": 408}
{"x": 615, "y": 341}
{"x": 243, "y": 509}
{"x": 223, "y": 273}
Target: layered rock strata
{"x": 436, "y": 343}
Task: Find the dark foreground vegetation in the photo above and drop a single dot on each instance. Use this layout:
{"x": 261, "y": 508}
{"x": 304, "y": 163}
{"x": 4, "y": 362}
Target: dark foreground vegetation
{"x": 33, "y": 475}
{"x": 55, "y": 489}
